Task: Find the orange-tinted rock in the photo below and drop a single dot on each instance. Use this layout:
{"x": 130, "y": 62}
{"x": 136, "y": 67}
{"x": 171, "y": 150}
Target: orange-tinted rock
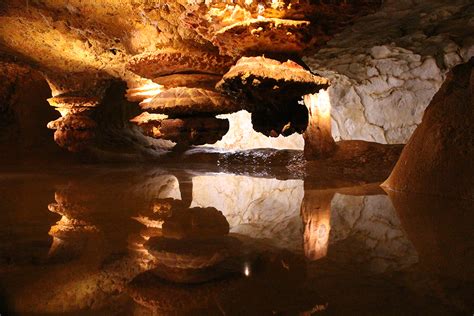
{"x": 439, "y": 157}
{"x": 191, "y": 253}
{"x": 189, "y": 101}
{"x": 256, "y": 36}
{"x": 195, "y": 223}
{"x": 75, "y": 129}
{"x": 74, "y": 132}
{"x": 169, "y": 61}
{"x": 143, "y": 91}
{"x": 260, "y": 80}
{"x": 206, "y": 81}
{"x": 240, "y": 27}
{"x": 185, "y": 131}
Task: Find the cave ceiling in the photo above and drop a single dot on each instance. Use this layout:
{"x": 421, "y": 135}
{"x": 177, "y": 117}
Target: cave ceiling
{"x": 97, "y": 39}
{"x": 178, "y": 59}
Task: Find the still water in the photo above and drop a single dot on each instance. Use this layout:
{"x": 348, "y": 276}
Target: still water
{"x": 168, "y": 241}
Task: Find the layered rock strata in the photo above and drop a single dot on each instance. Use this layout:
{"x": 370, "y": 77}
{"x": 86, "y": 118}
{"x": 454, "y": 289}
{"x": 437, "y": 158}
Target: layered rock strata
{"x": 75, "y": 129}
{"x": 182, "y": 89}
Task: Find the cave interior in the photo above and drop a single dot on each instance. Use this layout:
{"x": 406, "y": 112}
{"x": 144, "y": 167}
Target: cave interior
{"x": 257, "y": 157}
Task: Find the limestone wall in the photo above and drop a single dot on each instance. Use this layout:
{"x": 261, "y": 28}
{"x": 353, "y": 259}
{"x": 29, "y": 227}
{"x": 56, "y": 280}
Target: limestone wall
{"x": 386, "y": 68}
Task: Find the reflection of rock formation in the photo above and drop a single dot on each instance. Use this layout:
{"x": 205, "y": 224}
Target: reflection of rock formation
{"x": 441, "y": 231}
{"x": 193, "y": 244}
{"x": 366, "y": 233}
{"x": 270, "y": 287}
{"x": 316, "y": 213}
{"x": 256, "y": 207}
{"x": 357, "y": 227}
{"x": 89, "y": 263}
{"x": 73, "y": 231}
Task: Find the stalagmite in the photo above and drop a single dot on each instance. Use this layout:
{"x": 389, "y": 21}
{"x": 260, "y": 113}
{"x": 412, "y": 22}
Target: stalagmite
{"x": 319, "y": 143}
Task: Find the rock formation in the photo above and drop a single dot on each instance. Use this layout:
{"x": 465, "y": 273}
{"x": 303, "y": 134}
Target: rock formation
{"x": 272, "y": 92}
{"x": 386, "y": 68}
{"x": 438, "y": 159}
{"x": 169, "y": 54}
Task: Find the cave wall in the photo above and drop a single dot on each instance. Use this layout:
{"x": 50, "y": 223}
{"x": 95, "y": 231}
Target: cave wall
{"x": 386, "y": 68}
{"x": 24, "y": 113}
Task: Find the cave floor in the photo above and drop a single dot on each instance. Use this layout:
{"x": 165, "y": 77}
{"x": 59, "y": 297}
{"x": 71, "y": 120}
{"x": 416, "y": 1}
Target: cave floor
{"x": 307, "y": 241}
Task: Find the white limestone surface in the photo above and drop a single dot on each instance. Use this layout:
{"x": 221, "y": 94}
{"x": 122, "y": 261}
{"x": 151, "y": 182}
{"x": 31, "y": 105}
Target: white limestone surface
{"x": 386, "y": 68}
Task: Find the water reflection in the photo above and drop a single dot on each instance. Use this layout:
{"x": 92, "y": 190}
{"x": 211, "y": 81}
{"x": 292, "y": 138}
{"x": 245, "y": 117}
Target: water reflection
{"x": 141, "y": 241}
{"x": 316, "y": 214}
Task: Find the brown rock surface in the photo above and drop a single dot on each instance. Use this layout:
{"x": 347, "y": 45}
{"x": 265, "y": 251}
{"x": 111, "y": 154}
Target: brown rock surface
{"x": 240, "y": 27}
{"x": 272, "y": 91}
{"x": 189, "y": 80}
{"x": 188, "y": 101}
{"x": 170, "y": 61}
{"x": 438, "y": 159}
{"x": 197, "y": 130}
{"x": 75, "y": 129}
{"x": 262, "y": 35}
{"x": 282, "y": 121}
{"x": 262, "y": 80}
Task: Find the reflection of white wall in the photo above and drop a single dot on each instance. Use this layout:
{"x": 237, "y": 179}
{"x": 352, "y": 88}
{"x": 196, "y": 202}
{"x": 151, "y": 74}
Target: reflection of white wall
{"x": 241, "y": 136}
{"x": 158, "y": 186}
{"x": 256, "y": 207}
{"x": 366, "y": 230}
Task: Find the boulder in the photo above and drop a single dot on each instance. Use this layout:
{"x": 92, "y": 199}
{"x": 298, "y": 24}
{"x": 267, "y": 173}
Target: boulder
{"x": 439, "y": 157}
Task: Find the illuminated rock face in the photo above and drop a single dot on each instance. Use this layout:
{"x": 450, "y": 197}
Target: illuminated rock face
{"x": 182, "y": 47}
{"x": 386, "y": 68}
{"x": 383, "y": 70}
{"x": 438, "y": 158}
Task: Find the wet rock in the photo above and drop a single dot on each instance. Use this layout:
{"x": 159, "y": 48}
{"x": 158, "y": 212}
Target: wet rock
{"x": 438, "y": 158}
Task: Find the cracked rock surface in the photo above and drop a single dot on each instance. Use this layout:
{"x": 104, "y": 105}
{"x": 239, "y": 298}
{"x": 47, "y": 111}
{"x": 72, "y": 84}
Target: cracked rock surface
{"x": 386, "y": 67}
